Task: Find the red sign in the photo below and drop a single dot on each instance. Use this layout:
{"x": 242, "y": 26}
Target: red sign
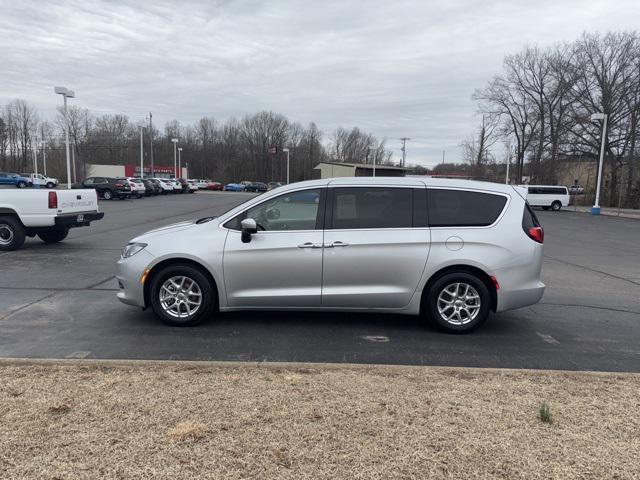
{"x": 134, "y": 170}
{"x": 273, "y": 150}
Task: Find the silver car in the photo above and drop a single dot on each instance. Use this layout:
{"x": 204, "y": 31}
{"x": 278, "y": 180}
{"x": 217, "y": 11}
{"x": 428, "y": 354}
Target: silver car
{"x": 451, "y": 250}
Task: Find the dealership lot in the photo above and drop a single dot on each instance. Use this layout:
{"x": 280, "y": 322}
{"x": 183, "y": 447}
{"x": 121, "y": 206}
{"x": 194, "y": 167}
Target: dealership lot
{"x": 59, "y": 301}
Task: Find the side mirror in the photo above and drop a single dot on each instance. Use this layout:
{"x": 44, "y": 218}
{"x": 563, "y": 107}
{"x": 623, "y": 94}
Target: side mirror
{"x": 249, "y": 227}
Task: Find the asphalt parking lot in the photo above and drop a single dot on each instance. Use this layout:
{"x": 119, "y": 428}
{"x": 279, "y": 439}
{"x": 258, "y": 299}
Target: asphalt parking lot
{"x": 58, "y": 301}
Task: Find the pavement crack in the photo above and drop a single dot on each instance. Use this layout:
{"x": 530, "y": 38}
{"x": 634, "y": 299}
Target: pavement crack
{"x": 611, "y": 309}
{"x": 593, "y": 270}
{"x": 19, "y": 309}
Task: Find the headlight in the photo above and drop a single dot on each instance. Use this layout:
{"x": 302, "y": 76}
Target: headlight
{"x": 131, "y": 249}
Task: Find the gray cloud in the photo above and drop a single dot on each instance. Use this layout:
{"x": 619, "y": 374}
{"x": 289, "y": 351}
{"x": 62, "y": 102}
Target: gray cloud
{"x": 402, "y": 68}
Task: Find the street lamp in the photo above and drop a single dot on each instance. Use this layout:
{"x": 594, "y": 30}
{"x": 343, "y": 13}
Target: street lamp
{"x": 180, "y": 161}
{"x": 66, "y": 93}
{"x": 286, "y": 150}
{"x": 595, "y": 210}
{"x": 141, "y": 125}
{"x": 175, "y": 161}
{"x": 43, "y": 144}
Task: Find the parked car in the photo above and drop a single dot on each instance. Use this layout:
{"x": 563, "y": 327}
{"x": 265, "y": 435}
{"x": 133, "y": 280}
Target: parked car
{"x": 234, "y": 187}
{"x": 552, "y": 197}
{"x": 202, "y": 184}
{"x": 41, "y": 180}
{"x": 138, "y": 189}
{"x": 272, "y": 185}
{"x": 15, "y": 179}
{"x": 215, "y": 186}
{"x": 193, "y": 186}
{"x": 244, "y": 183}
{"x": 576, "y": 189}
{"x": 107, "y": 187}
{"x": 450, "y": 250}
{"x": 256, "y": 187}
{"x": 177, "y": 186}
{"x": 150, "y": 187}
{"x": 165, "y": 184}
{"x": 47, "y": 214}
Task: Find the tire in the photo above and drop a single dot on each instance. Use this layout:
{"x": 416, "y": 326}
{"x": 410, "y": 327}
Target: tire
{"x": 53, "y": 235}
{"x": 163, "y": 307}
{"x": 50, "y": 185}
{"x": 12, "y": 233}
{"x": 545, "y": 208}
{"x": 21, "y": 185}
{"x": 556, "y": 206}
{"x": 107, "y": 195}
{"x": 463, "y": 318}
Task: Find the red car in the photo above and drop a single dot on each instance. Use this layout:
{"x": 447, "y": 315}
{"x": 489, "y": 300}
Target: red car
{"x": 215, "y": 186}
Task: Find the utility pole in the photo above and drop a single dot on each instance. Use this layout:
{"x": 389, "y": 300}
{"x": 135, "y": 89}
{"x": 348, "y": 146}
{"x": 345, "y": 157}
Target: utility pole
{"x": 151, "y": 144}
{"x": 404, "y": 150}
{"x": 443, "y": 157}
{"x": 73, "y": 162}
{"x": 141, "y": 153}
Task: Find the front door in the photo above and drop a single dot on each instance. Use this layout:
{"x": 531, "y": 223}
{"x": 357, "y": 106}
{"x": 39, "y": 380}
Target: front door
{"x": 282, "y": 264}
{"x": 376, "y": 245}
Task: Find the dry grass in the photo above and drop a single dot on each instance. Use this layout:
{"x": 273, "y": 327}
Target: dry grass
{"x": 184, "y": 422}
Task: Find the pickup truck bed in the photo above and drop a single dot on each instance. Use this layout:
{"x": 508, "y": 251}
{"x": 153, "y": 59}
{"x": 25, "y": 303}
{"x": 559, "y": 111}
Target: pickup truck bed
{"x": 49, "y": 214}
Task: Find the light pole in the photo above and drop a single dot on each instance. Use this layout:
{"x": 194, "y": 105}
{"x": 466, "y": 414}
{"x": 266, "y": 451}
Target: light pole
{"x": 286, "y": 150}
{"x": 141, "y": 152}
{"x": 175, "y": 155}
{"x": 595, "y": 210}
{"x": 180, "y": 161}
{"x": 66, "y": 93}
{"x": 36, "y": 182}
{"x": 43, "y": 144}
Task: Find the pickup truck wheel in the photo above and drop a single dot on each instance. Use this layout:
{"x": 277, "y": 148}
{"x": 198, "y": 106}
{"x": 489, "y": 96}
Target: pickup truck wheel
{"x": 53, "y": 235}
{"x": 50, "y": 185}
{"x": 21, "y": 185}
{"x": 107, "y": 195}
{"x": 181, "y": 295}
{"x": 12, "y": 233}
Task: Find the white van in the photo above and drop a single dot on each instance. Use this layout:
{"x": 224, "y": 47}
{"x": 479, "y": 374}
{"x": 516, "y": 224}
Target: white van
{"x": 547, "y": 196}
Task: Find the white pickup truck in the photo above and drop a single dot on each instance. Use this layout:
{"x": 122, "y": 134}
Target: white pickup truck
{"x": 49, "y": 214}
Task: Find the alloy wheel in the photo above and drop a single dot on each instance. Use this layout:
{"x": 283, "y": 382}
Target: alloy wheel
{"x": 459, "y": 303}
{"x": 180, "y": 297}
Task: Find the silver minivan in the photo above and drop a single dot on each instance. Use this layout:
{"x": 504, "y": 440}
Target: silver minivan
{"x": 451, "y": 250}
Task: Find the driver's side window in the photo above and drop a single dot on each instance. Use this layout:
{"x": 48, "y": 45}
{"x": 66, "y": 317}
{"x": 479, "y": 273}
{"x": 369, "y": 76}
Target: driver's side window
{"x": 290, "y": 211}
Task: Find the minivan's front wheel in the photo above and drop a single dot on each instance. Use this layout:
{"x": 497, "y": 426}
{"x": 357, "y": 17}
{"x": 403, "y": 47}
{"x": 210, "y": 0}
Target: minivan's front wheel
{"x": 458, "y": 302}
{"x": 181, "y": 295}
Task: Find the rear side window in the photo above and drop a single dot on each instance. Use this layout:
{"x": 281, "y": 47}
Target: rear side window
{"x": 371, "y": 207}
{"x": 461, "y": 208}
{"x": 529, "y": 219}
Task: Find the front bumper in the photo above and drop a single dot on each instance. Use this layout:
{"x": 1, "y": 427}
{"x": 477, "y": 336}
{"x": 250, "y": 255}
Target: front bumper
{"x": 128, "y": 274}
{"x": 77, "y": 219}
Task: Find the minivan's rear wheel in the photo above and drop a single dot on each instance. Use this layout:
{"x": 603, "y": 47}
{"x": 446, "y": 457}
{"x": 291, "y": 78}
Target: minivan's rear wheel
{"x": 181, "y": 295}
{"x": 458, "y": 302}
{"x": 555, "y": 206}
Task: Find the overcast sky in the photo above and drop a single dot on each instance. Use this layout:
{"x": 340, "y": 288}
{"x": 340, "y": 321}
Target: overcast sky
{"x": 394, "y": 68}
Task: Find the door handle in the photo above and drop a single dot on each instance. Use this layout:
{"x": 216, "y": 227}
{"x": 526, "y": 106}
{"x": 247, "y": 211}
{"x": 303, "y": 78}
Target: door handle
{"x": 337, "y": 243}
{"x": 309, "y": 245}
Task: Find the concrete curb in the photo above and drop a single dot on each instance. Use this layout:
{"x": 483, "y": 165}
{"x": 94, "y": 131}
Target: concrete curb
{"x": 275, "y": 366}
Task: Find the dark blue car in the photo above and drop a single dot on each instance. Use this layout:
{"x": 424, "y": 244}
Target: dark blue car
{"x": 15, "y": 179}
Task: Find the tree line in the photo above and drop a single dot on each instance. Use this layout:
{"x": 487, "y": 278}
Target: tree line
{"x": 539, "y": 107}
{"x": 230, "y": 150}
